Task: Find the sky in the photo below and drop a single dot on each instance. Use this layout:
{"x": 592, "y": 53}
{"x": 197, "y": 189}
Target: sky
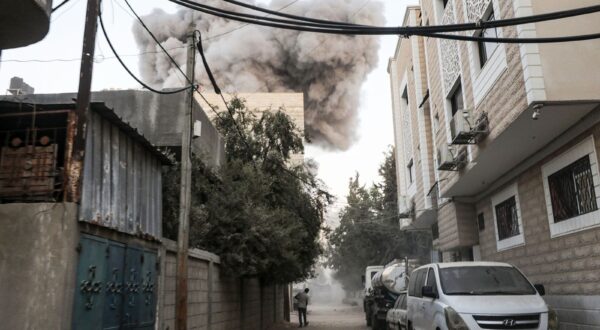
{"x": 52, "y": 66}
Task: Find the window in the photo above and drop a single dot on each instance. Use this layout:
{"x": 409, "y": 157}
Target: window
{"x": 480, "y": 222}
{"x": 572, "y": 190}
{"x": 431, "y": 280}
{"x": 487, "y": 48}
{"x": 456, "y": 100}
{"x": 415, "y": 286}
{"x": 507, "y": 218}
{"x": 403, "y": 301}
{"x": 410, "y": 169}
{"x": 484, "y": 280}
{"x": 435, "y": 232}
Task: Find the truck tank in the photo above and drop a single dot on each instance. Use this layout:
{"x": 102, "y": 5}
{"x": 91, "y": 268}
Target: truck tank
{"x": 393, "y": 278}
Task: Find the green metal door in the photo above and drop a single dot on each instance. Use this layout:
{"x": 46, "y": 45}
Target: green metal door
{"x": 148, "y": 291}
{"x": 113, "y": 306}
{"x": 133, "y": 269}
{"x": 89, "y": 292}
{"x": 116, "y": 286}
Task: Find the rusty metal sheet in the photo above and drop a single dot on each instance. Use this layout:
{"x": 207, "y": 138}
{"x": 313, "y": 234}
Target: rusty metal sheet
{"x": 120, "y": 181}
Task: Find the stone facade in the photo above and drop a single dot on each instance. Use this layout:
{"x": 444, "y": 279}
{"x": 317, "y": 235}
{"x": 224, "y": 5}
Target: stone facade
{"x": 515, "y": 88}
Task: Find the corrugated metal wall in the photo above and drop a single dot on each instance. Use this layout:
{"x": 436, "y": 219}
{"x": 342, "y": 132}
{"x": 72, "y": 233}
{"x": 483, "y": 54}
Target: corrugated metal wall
{"x": 121, "y": 182}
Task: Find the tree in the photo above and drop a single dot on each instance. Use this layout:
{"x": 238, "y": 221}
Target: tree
{"x": 260, "y": 214}
{"x": 369, "y": 233}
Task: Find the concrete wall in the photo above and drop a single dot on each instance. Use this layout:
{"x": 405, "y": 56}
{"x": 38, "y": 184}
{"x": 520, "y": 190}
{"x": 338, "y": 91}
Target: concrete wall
{"x": 216, "y": 300}
{"x": 37, "y": 265}
{"x": 568, "y": 265}
{"x": 561, "y": 63}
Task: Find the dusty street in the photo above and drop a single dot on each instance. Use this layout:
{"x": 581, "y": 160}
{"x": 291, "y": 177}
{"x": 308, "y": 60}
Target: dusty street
{"x": 322, "y": 317}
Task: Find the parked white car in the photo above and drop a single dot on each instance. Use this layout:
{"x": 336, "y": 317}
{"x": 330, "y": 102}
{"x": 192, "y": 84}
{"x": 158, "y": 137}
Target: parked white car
{"x": 396, "y": 317}
{"x": 476, "y": 295}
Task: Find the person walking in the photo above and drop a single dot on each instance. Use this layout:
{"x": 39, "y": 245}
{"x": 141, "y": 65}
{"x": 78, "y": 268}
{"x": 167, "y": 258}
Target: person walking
{"x": 302, "y": 299}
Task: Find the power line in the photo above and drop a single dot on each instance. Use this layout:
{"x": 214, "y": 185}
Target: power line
{"x": 431, "y": 31}
{"x": 128, "y": 70}
{"x": 217, "y": 36}
{"x": 60, "y": 5}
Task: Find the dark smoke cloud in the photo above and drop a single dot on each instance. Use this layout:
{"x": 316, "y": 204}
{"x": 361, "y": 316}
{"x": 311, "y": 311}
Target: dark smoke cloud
{"x": 329, "y": 69}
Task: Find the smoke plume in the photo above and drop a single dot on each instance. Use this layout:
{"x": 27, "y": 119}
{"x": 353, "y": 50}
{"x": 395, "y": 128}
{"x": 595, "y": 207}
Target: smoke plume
{"x": 328, "y": 69}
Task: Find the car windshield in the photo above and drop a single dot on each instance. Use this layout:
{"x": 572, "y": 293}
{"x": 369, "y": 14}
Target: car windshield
{"x": 484, "y": 280}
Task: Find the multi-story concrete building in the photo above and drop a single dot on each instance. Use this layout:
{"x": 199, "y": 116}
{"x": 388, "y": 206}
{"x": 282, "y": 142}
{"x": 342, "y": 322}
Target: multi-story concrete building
{"x": 497, "y": 145}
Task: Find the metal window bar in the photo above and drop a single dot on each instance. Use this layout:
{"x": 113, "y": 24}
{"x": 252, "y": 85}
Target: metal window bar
{"x": 507, "y": 219}
{"x": 23, "y": 174}
{"x": 572, "y": 190}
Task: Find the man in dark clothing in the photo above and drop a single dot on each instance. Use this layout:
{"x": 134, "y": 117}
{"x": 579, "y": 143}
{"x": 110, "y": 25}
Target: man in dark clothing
{"x": 302, "y": 298}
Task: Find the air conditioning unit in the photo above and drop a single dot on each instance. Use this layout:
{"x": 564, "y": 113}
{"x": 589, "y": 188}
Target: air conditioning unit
{"x": 404, "y": 207}
{"x": 461, "y": 127}
{"x": 447, "y": 159}
{"x": 466, "y": 129}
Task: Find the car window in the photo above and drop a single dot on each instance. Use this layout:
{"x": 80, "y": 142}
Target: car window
{"x": 484, "y": 280}
{"x": 420, "y": 282}
{"x": 431, "y": 280}
{"x": 412, "y": 283}
{"x": 402, "y": 302}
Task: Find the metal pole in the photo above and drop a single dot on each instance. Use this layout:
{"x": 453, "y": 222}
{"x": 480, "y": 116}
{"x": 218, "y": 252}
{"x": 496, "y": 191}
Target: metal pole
{"x": 185, "y": 196}
{"x": 77, "y": 123}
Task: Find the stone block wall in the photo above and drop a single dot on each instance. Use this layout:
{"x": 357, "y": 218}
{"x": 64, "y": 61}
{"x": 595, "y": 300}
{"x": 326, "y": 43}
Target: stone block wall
{"x": 568, "y": 265}
{"x": 216, "y": 300}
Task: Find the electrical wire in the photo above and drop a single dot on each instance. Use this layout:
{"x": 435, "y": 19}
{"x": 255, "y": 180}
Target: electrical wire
{"x": 112, "y": 48}
{"x": 217, "y": 36}
{"x": 445, "y": 28}
{"x": 295, "y": 17}
{"x": 431, "y": 31}
{"x": 59, "y": 5}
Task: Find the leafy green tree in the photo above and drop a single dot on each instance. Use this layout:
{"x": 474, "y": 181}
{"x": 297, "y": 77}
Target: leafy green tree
{"x": 369, "y": 233}
{"x": 260, "y": 213}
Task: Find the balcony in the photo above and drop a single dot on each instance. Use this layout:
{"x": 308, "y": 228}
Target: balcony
{"x": 23, "y": 22}
{"x": 514, "y": 148}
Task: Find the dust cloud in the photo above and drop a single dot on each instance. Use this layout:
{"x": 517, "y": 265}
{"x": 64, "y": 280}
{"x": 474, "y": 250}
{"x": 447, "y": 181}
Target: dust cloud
{"x": 328, "y": 69}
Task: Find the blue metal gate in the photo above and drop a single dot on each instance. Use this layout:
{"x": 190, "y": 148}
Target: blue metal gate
{"x": 115, "y": 286}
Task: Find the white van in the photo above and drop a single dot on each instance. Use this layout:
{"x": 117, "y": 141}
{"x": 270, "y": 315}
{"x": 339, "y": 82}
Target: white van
{"x": 476, "y": 295}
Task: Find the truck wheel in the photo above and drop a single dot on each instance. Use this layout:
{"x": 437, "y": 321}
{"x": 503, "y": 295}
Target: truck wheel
{"x": 377, "y": 323}
{"x": 374, "y": 322}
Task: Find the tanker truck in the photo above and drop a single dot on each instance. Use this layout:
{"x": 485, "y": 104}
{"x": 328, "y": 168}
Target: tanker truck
{"x": 381, "y": 290}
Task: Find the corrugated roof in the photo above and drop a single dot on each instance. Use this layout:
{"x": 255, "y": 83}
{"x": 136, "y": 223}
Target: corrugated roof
{"x": 98, "y": 107}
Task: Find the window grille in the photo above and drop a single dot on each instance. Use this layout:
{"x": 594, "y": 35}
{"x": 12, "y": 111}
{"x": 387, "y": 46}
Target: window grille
{"x": 572, "y": 190}
{"x": 507, "y": 219}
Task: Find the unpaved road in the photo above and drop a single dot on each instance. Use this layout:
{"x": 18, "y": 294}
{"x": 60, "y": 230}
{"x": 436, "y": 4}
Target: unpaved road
{"x": 322, "y": 317}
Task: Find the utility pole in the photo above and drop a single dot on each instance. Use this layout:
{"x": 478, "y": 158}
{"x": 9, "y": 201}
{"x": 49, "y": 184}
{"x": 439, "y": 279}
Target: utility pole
{"x": 78, "y": 120}
{"x": 181, "y": 296}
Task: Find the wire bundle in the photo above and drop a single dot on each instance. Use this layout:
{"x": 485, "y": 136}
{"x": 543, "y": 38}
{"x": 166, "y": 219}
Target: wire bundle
{"x": 305, "y": 24}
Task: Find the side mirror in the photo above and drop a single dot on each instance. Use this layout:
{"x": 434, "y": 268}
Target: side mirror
{"x": 540, "y": 289}
{"x": 427, "y": 291}
{"x": 363, "y": 279}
